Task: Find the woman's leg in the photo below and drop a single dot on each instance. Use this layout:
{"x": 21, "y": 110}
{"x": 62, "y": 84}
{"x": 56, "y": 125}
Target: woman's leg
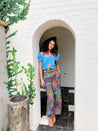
{"x": 56, "y": 83}
{"x": 50, "y": 97}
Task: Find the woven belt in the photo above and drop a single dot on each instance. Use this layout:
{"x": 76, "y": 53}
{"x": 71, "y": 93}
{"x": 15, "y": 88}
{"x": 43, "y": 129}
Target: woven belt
{"x": 50, "y": 70}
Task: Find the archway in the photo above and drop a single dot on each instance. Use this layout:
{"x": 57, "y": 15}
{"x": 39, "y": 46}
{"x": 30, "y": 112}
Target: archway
{"x": 66, "y": 46}
{"x": 37, "y": 34}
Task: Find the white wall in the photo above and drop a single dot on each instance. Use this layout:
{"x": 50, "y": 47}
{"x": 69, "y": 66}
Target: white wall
{"x": 80, "y": 17}
{"x": 3, "y": 77}
{"x": 86, "y": 99}
{"x": 66, "y": 48}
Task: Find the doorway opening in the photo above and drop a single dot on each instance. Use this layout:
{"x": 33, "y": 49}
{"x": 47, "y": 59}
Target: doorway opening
{"x": 66, "y": 48}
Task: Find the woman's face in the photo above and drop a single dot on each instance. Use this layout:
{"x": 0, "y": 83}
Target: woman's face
{"x": 51, "y": 45}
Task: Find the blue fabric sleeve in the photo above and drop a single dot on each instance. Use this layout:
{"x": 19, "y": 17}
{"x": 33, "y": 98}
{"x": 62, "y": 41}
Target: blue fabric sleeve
{"x": 40, "y": 58}
{"x": 57, "y": 57}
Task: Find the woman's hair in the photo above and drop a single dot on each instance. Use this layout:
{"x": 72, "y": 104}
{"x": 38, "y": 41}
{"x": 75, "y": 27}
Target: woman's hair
{"x": 44, "y": 46}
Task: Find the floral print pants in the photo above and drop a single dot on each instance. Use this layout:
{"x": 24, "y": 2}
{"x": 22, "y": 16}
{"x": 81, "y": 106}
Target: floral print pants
{"x": 53, "y": 90}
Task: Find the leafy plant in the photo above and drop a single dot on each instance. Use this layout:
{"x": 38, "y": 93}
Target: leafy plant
{"x": 12, "y": 68}
{"x": 30, "y": 89}
{"x": 11, "y": 11}
{"x": 13, "y": 85}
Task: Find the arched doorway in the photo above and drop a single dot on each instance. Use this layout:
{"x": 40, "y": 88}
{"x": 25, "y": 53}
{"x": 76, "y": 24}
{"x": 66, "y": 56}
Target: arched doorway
{"x": 37, "y": 35}
{"x": 66, "y": 44}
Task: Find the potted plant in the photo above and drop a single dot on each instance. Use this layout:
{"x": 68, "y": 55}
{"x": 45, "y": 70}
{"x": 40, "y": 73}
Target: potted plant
{"x": 21, "y": 93}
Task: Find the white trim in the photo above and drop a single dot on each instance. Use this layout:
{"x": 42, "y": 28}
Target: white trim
{"x": 44, "y": 120}
{"x": 42, "y": 89}
{"x": 71, "y": 108}
{"x": 71, "y": 91}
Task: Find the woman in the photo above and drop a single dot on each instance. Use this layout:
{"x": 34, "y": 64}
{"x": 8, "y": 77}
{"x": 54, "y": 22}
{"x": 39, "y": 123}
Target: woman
{"x": 50, "y": 77}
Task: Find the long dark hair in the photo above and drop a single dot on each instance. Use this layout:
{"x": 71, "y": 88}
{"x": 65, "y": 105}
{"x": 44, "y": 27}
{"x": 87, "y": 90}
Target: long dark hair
{"x": 44, "y": 46}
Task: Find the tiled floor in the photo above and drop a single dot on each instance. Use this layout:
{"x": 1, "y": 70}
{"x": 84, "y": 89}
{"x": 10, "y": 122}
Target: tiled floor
{"x": 63, "y": 123}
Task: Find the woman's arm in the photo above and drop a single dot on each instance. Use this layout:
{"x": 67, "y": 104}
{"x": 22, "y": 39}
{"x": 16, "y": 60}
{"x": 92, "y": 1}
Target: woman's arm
{"x": 40, "y": 72}
{"x": 57, "y": 65}
{"x": 40, "y": 69}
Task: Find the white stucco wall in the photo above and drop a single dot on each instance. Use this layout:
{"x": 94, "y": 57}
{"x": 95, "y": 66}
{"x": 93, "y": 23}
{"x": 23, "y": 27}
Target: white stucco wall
{"x": 3, "y": 77}
{"x": 80, "y": 17}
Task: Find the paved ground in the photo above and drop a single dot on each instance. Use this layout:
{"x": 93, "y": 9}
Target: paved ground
{"x": 63, "y": 123}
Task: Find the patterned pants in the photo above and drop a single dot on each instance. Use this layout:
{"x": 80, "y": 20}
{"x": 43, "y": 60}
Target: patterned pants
{"x": 53, "y": 90}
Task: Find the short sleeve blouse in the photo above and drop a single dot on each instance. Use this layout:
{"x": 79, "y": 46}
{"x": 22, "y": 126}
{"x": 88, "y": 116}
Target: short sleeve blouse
{"x": 57, "y": 57}
{"x": 48, "y": 60}
{"x": 40, "y": 58}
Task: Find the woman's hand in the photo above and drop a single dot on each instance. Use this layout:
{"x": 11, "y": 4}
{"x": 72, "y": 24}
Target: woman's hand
{"x": 41, "y": 76}
{"x": 58, "y": 71}
{"x": 42, "y": 83}
{"x": 57, "y": 66}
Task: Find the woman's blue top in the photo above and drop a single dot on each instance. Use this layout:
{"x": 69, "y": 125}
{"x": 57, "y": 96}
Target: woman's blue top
{"x": 48, "y": 60}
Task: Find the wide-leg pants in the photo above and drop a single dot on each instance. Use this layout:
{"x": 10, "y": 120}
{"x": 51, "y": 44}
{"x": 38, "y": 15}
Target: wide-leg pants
{"x": 53, "y": 90}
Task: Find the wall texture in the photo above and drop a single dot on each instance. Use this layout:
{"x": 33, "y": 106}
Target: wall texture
{"x": 80, "y": 17}
{"x": 3, "y": 77}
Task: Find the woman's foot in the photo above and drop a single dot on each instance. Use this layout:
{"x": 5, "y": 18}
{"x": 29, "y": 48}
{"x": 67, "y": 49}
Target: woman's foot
{"x": 54, "y": 118}
{"x": 50, "y": 122}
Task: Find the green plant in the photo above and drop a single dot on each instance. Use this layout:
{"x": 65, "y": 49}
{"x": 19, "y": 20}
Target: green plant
{"x": 30, "y": 88}
{"x": 12, "y": 68}
{"x": 13, "y": 85}
{"x": 11, "y": 11}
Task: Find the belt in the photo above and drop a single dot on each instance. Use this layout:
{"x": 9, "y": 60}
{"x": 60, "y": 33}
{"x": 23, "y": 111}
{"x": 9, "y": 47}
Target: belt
{"x": 50, "y": 70}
